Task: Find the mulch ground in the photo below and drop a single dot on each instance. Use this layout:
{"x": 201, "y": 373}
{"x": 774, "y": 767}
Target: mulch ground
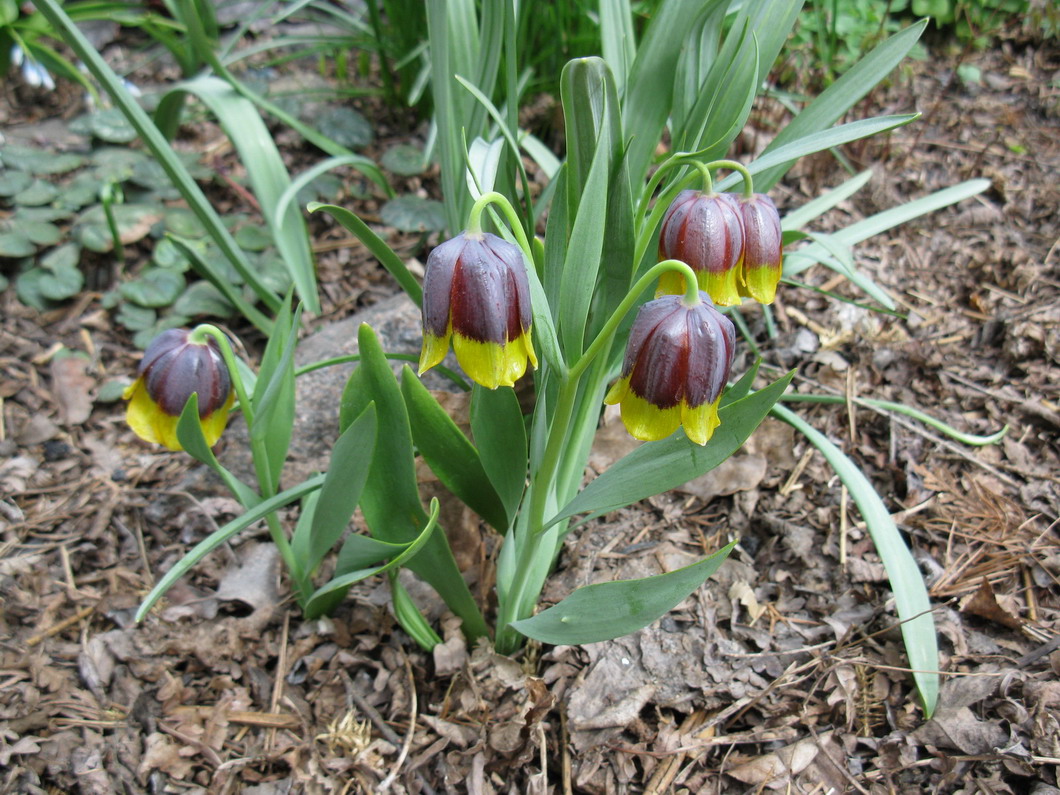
{"x": 786, "y": 672}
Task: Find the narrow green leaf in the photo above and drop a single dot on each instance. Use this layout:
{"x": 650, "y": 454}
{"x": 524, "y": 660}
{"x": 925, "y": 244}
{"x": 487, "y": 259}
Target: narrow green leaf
{"x": 223, "y": 534}
{"x": 971, "y": 439}
{"x": 818, "y": 142}
{"x": 881, "y": 222}
{"x": 609, "y": 610}
{"x": 268, "y": 176}
{"x": 910, "y": 594}
{"x": 273, "y": 400}
{"x": 618, "y": 43}
{"x": 649, "y": 93}
{"x": 840, "y": 97}
{"x": 409, "y": 616}
{"x": 386, "y": 256}
{"x": 343, "y": 582}
{"x": 656, "y": 467}
{"x": 191, "y": 438}
{"x": 448, "y": 452}
{"x": 818, "y": 206}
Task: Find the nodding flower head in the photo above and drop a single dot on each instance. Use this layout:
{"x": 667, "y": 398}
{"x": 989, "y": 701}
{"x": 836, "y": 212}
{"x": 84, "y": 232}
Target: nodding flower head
{"x": 476, "y": 293}
{"x": 762, "y": 248}
{"x": 704, "y": 231}
{"x": 677, "y": 363}
{"x": 173, "y": 368}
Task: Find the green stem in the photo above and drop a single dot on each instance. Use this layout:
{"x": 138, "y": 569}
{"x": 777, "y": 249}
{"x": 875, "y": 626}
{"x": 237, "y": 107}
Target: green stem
{"x": 474, "y": 220}
{"x": 732, "y": 165}
{"x": 260, "y": 456}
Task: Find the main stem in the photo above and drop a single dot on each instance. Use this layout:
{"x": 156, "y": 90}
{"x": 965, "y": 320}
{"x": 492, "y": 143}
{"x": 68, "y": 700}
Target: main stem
{"x": 259, "y": 455}
{"x": 542, "y": 483}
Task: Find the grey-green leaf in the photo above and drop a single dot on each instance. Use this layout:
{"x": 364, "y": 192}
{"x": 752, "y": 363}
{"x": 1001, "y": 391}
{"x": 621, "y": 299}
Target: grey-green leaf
{"x": 609, "y": 610}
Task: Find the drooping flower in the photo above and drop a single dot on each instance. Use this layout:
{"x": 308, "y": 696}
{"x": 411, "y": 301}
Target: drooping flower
{"x": 703, "y": 230}
{"x": 762, "y": 248}
{"x": 677, "y": 363}
{"x": 175, "y": 366}
{"x": 476, "y": 292}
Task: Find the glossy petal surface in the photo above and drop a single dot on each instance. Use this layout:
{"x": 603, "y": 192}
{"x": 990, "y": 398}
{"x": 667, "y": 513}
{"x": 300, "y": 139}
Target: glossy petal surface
{"x": 677, "y": 363}
{"x": 705, "y": 232}
{"x": 763, "y": 248}
{"x": 476, "y": 293}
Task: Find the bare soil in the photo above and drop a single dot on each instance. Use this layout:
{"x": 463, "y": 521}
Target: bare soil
{"x": 784, "y": 673}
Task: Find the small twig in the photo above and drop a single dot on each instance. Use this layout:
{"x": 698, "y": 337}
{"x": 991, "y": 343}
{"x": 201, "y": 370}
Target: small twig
{"x": 55, "y": 629}
{"x": 281, "y": 672}
{"x": 385, "y": 784}
{"x": 565, "y": 765}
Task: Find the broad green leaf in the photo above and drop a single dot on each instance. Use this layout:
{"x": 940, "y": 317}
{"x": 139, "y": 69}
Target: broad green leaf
{"x": 203, "y": 299}
{"x": 220, "y": 536}
{"x": 741, "y": 388}
{"x": 191, "y": 438}
{"x": 37, "y": 193}
{"x": 499, "y": 429}
{"x": 404, "y": 159}
{"x": 155, "y": 287}
{"x": 413, "y": 214}
{"x": 448, "y": 452}
{"x": 656, "y": 467}
{"x": 61, "y": 283}
{"x": 351, "y": 458}
{"x": 609, "y": 610}
{"x": 386, "y": 256}
{"x": 215, "y": 276}
{"x": 43, "y": 233}
{"x": 910, "y": 594}
{"x": 67, "y": 255}
{"x": 345, "y": 126}
{"x": 390, "y": 502}
{"x": 16, "y": 245}
{"x": 592, "y": 122}
{"x": 265, "y": 169}
{"x": 12, "y": 182}
{"x": 340, "y": 584}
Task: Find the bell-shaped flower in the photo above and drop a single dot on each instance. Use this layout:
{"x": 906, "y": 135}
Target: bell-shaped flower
{"x": 704, "y": 231}
{"x": 476, "y": 292}
{"x": 762, "y": 248}
{"x": 173, "y": 368}
{"x": 677, "y": 363}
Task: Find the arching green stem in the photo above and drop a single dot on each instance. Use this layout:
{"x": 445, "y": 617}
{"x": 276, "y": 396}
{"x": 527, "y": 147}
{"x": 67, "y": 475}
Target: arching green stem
{"x": 199, "y": 335}
{"x": 739, "y": 168}
{"x": 474, "y": 220}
